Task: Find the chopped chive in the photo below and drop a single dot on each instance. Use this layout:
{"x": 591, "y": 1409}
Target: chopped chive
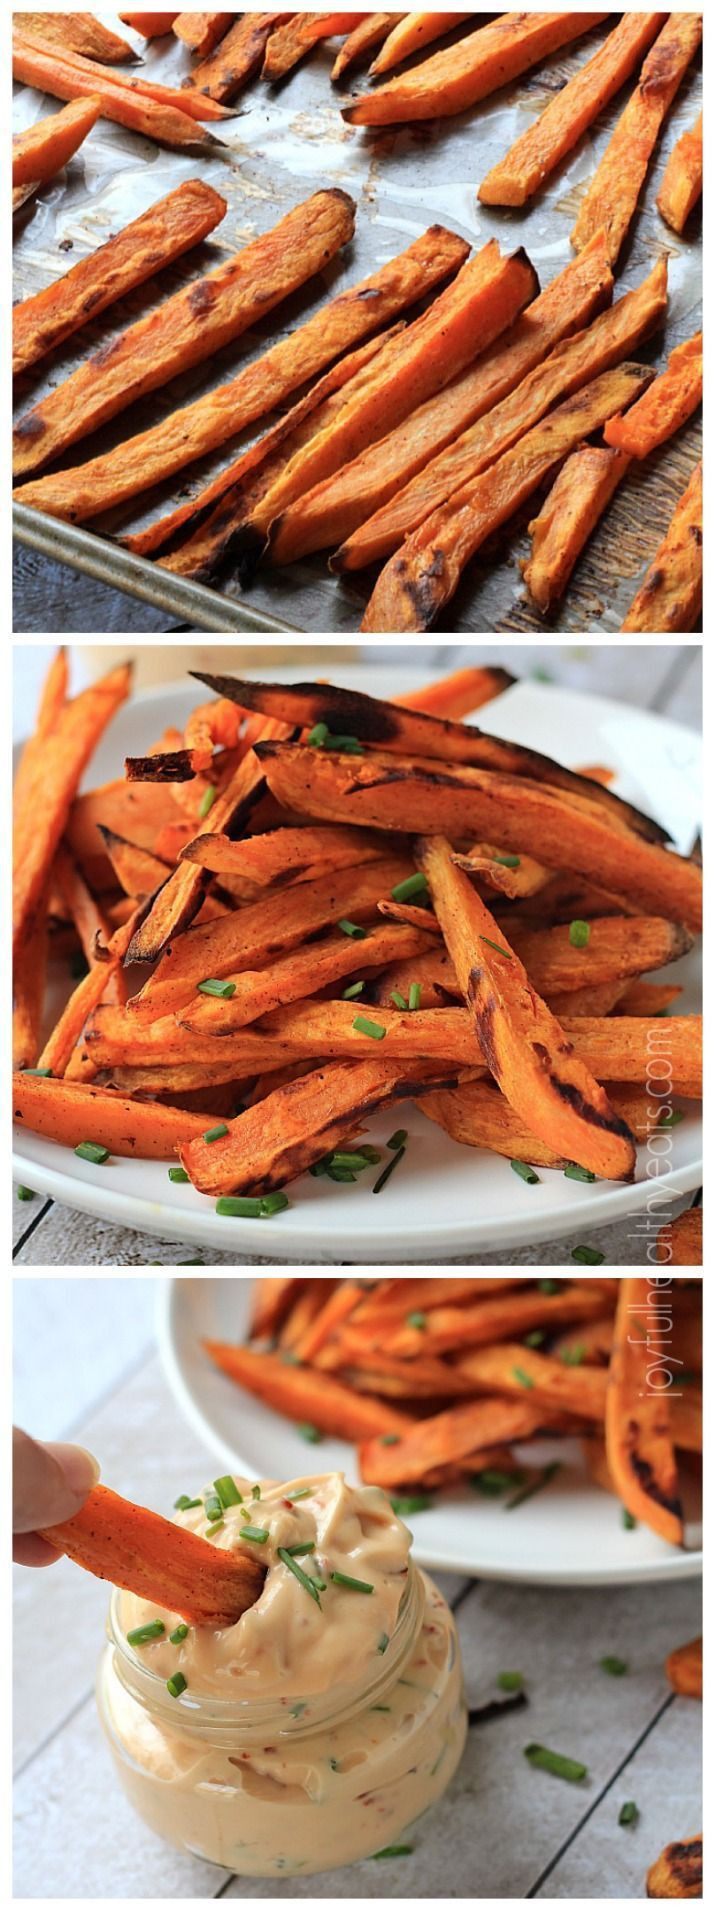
{"x": 295, "y": 1710}
{"x": 358, "y": 1161}
{"x": 412, "y": 886}
{"x": 91, "y": 1151}
{"x": 215, "y": 1134}
{"x": 214, "y": 1528}
{"x": 301, "y": 1546}
{"x": 380, "y": 1708}
{"x": 303, "y": 1579}
{"x": 629, "y": 1813}
{"x": 179, "y": 1633}
{"x": 321, "y": 1584}
{"x": 671, "y": 1120}
{"x": 350, "y": 746}
{"x": 25, "y": 1194}
{"x": 383, "y": 1178}
{"x": 524, "y": 1379}
{"x": 536, "y": 1338}
{"x": 370, "y": 1154}
{"x": 227, "y": 1491}
{"x": 251, "y": 1207}
{"x": 257, "y": 1533}
{"x": 352, "y": 929}
{"x": 178, "y": 1174}
{"x": 573, "y": 1356}
{"x": 208, "y": 799}
{"x": 255, "y": 1492}
{"x": 509, "y": 862}
{"x": 616, "y": 1668}
{"x": 398, "y": 1139}
{"x": 212, "y": 1507}
{"x": 526, "y": 1492}
{"x": 579, "y": 933}
{"x": 383, "y": 1642}
{"x": 308, "y": 1432}
{"x": 356, "y": 988}
{"x": 417, "y": 1320}
{"x": 340, "y": 1174}
{"x": 352, "y": 1585}
{"x": 45, "y": 1072}
{"x": 394, "y": 1851}
{"x": 574, "y": 1172}
{"x": 318, "y": 736}
{"x": 398, "y": 999}
{"x": 406, "y": 1503}
{"x": 176, "y": 1684}
{"x": 320, "y": 1167}
{"x": 627, "y": 1520}
{"x": 525, "y": 1172}
{"x": 334, "y": 1764}
{"x": 301, "y": 1493}
{"x": 549, "y": 1287}
{"x": 183, "y": 1503}
{"x": 497, "y": 946}
{"x": 491, "y": 1481}
{"x": 376, "y": 1030}
{"x": 554, "y": 1762}
{"x": 154, "y": 1629}
{"x": 273, "y": 1203}
{"x": 510, "y": 1681}
{"x": 415, "y": 995}
{"x": 588, "y": 1256}
{"x": 211, "y": 986}
{"x": 390, "y": 1439}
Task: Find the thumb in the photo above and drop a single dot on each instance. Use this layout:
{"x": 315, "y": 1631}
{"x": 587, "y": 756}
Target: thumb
{"x": 50, "y": 1483}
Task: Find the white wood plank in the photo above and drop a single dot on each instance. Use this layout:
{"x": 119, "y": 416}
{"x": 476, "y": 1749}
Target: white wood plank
{"x": 73, "y": 1341}
{"x": 662, "y": 1780}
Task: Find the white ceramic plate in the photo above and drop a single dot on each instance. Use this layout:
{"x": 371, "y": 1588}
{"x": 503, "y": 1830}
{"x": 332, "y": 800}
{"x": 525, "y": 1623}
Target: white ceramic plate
{"x": 445, "y": 1199}
{"x": 571, "y": 1534}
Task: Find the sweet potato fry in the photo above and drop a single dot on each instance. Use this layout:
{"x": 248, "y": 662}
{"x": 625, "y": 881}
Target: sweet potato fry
{"x": 78, "y": 32}
{"x": 188, "y": 327}
{"x": 458, "y": 694}
{"x": 613, "y": 193}
{"x": 151, "y": 25}
{"x": 522, "y": 1042}
{"x": 570, "y": 513}
{"x": 284, "y": 855}
{"x": 405, "y": 795}
{"x": 48, "y": 145}
{"x": 509, "y": 1368}
{"x": 479, "y": 1116}
{"x": 648, "y": 998}
{"x": 312, "y": 512}
{"x": 201, "y": 32}
{"x": 156, "y": 239}
{"x": 305, "y": 1305}
{"x": 239, "y": 56}
{"x": 196, "y": 105}
{"x": 538, "y": 151}
{"x": 46, "y": 783}
{"x": 667, "y": 404}
{"x": 422, "y": 577}
{"x": 683, "y": 178}
{"x": 510, "y": 876}
{"x": 398, "y": 728}
{"x": 138, "y": 872}
{"x": 66, "y": 79}
{"x": 298, "y": 35}
{"x": 70, "y": 1113}
{"x": 455, "y": 79}
{"x": 58, "y": 1052}
{"x": 670, "y": 596}
{"x": 335, "y": 1308}
{"x": 299, "y": 1123}
{"x": 684, "y": 1669}
{"x": 567, "y": 304}
{"x": 448, "y": 1436}
{"x": 391, "y": 1301}
{"x": 372, "y": 30}
{"x": 410, "y": 34}
{"x": 501, "y": 1317}
{"x": 28, "y": 988}
{"x": 588, "y": 1343}
{"x": 678, "y": 1872}
{"x": 174, "y": 1568}
{"x": 680, "y": 1243}
{"x": 639, "y": 1442}
{"x": 300, "y": 973}
{"x": 271, "y": 1297}
{"x": 189, "y": 433}
{"x": 303, "y": 1394}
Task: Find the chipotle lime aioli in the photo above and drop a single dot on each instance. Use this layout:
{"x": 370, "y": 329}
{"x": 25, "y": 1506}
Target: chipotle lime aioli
{"x": 317, "y": 1728}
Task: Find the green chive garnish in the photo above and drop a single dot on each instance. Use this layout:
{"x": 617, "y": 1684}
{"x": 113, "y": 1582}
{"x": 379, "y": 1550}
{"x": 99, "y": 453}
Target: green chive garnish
{"x": 208, "y": 799}
{"x": 352, "y": 929}
{"x": 215, "y": 1134}
{"x": 549, "y": 1287}
{"x": 176, "y": 1684}
{"x": 91, "y": 1151}
{"x": 588, "y": 1256}
{"x": 340, "y": 1174}
{"x": 406, "y": 1503}
{"x": 303, "y": 1579}
{"x": 183, "y": 1503}
{"x": 318, "y": 736}
{"x": 179, "y": 1633}
{"x": 355, "y": 1161}
{"x": 25, "y": 1194}
{"x": 301, "y": 1493}
{"x": 356, "y": 988}
{"x": 375, "y": 1030}
{"x": 629, "y": 1813}
{"x": 352, "y": 1585}
{"x": 383, "y": 1642}
{"x": 497, "y": 946}
{"x": 227, "y": 1491}
{"x": 573, "y": 1356}
{"x": 509, "y": 862}
{"x": 350, "y": 746}
{"x": 251, "y": 1207}
{"x": 395, "y": 1851}
{"x": 398, "y": 999}
{"x": 579, "y": 933}
{"x": 510, "y": 1681}
{"x": 671, "y": 1120}
{"x": 398, "y": 1139}
{"x": 308, "y": 1432}
{"x": 214, "y": 1528}
{"x": 524, "y": 1379}
{"x": 574, "y": 1172}
{"x": 178, "y": 1174}
{"x": 616, "y": 1668}
{"x": 491, "y": 1481}
{"x": 536, "y": 1338}
{"x": 383, "y": 1178}
{"x": 417, "y": 1320}
{"x": 526, "y": 1492}
{"x": 212, "y": 986}
{"x": 412, "y": 886}
{"x": 554, "y": 1762}
{"x": 525, "y": 1172}
{"x": 273, "y": 1203}
{"x": 212, "y": 1507}
{"x": 390, "y": 1439}
{"x": 627, "y": 1520}
{"x": 257, "y": 1533}
{"x": 154, "y": 1629}
{"x": 301, "y": 1546}
{"x": 45, "y": 1072}
{"x": 415, "y": 995}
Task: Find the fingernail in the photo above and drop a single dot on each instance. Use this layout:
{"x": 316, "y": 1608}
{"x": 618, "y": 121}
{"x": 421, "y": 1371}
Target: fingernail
{"x": 79, "y": 1468}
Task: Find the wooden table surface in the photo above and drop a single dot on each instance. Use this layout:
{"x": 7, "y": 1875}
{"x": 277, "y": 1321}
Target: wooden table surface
{"x": 664, "y": 678}
{"x": 87, "y": 1369}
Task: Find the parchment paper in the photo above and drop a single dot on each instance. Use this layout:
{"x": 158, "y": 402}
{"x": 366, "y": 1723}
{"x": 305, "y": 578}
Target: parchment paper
{"x": 286, "y": 143}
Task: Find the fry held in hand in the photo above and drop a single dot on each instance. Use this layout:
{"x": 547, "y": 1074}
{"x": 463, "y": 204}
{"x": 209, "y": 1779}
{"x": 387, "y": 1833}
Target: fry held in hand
{"x": 158, "y": 1560}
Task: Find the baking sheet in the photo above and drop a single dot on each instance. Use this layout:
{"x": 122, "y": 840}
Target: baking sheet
{"x": 284, "y": 144}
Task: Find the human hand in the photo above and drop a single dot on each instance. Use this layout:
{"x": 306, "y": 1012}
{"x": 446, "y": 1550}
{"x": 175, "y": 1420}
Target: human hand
{"x": 50, "y": 1483}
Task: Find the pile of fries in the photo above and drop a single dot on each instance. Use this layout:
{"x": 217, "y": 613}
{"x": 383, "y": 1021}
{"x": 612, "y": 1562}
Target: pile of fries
{"x": 436, "y": 1380}
{"x": 313, "y": 904}
{"x": 410, "y": 441}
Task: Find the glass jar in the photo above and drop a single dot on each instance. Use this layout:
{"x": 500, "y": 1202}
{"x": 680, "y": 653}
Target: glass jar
{"x": 274, "y": 1788}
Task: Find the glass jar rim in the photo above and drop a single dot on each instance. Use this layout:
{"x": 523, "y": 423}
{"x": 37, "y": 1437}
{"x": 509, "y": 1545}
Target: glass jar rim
{"x": 211, "y": 1715}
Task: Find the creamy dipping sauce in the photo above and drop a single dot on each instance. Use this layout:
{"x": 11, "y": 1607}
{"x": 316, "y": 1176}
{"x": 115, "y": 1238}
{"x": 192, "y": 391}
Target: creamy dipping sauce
{"x": 317, "y": 1728}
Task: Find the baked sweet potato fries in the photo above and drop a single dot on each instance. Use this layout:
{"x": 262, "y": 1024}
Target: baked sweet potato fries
{"x": 311, "y": 904}
{"x": 436, "y": 1381}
